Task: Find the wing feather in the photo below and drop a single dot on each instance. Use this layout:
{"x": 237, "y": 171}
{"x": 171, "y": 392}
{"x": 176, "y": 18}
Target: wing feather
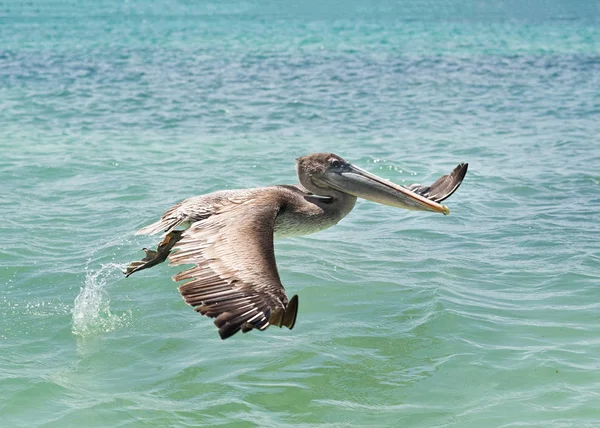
{"x": 234, "y": 278}
{"x": 444, "y": 186}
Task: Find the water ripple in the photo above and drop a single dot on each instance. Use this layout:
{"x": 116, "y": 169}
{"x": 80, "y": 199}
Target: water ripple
{"x": 114, "y": 111}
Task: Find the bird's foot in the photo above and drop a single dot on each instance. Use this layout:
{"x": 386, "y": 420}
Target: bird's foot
{"x": 154, "y": 257}
{"x": 141, "y": 264}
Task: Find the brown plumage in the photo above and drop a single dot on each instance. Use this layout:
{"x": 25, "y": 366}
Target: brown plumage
{"x": 228, "y": 236}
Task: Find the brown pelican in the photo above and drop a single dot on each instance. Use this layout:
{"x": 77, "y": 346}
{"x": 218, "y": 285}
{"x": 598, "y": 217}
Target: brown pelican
{"x": 228, "y": 236}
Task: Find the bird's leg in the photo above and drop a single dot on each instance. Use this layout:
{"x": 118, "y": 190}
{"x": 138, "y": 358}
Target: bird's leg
{"x": 155, "y": 257}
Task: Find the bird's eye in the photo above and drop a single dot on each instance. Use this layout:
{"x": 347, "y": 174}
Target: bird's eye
{"x": 335, "y": 163}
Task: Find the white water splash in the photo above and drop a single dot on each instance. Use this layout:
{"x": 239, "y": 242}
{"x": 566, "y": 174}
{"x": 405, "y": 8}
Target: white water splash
{"x": 91, "y": 312}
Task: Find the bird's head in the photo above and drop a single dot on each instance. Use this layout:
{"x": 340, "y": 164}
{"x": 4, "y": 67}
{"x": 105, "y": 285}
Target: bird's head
{"x": 326, "y": 174}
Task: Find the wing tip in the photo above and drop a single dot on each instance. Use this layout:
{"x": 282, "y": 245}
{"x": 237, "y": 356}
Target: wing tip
{"x": 291, "y": 312}
{"x": 461, "y": 170}
{"x": 230, "y": 323}
{"x": 455, "y": 179}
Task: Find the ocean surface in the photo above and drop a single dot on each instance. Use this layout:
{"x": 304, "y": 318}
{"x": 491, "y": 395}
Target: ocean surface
{"x": 112, "y": 111}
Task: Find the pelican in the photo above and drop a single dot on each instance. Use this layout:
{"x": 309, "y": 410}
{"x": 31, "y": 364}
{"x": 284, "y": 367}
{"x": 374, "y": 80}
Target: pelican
{"x": 228, "y": 236}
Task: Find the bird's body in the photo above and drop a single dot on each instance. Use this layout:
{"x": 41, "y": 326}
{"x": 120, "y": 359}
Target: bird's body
{"x": 228, "y": 236}
{"x": 299, "y": 212}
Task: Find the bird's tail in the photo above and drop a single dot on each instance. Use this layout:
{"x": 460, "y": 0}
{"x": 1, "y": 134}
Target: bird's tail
{"x": 165, "y": 225}
{"x": 170, "y": 220}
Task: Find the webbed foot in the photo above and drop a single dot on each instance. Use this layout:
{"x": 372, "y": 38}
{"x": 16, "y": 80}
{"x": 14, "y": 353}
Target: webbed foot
{"x": 155, "y": 257}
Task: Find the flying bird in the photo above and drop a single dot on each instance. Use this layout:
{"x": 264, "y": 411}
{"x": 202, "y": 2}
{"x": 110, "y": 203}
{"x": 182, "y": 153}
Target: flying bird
{"x": 228, "y": 236}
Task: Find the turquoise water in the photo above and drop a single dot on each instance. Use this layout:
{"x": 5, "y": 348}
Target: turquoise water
{"x": 111, "y": 111}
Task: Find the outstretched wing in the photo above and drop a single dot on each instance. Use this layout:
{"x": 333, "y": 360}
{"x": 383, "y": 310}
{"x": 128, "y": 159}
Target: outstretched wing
{"x": 235, "y": 278}
{"x": 445, "y": 186}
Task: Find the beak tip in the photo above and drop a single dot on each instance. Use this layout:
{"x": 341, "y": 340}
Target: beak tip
{"x": 445, "y": 210}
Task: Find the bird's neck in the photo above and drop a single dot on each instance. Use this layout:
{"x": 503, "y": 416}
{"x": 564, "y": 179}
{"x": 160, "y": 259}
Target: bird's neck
{"x": 336, "y": 204}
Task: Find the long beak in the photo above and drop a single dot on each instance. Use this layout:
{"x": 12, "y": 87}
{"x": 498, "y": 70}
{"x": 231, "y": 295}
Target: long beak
{"x": 362, "y": 184}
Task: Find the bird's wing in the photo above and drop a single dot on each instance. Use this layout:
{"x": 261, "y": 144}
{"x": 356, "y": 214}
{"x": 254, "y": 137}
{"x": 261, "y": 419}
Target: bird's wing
{"x": 235, "y": 278}
{"x": 445, "y": 186}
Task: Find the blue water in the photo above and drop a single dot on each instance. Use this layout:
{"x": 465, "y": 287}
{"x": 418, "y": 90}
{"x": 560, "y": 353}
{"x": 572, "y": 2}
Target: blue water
{"x": 112, "y": 111}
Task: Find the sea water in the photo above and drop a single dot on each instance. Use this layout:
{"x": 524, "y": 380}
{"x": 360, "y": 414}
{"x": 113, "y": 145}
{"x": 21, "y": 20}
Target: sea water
{"x": 112, "y": 111}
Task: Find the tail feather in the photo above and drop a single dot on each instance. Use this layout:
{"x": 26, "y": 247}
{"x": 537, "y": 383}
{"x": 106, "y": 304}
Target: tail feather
{"x": 164, "y": 225}
{"x": 167, "y": 223}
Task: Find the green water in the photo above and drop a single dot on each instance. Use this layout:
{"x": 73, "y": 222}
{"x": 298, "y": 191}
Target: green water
{"x": 111, "y": 112}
